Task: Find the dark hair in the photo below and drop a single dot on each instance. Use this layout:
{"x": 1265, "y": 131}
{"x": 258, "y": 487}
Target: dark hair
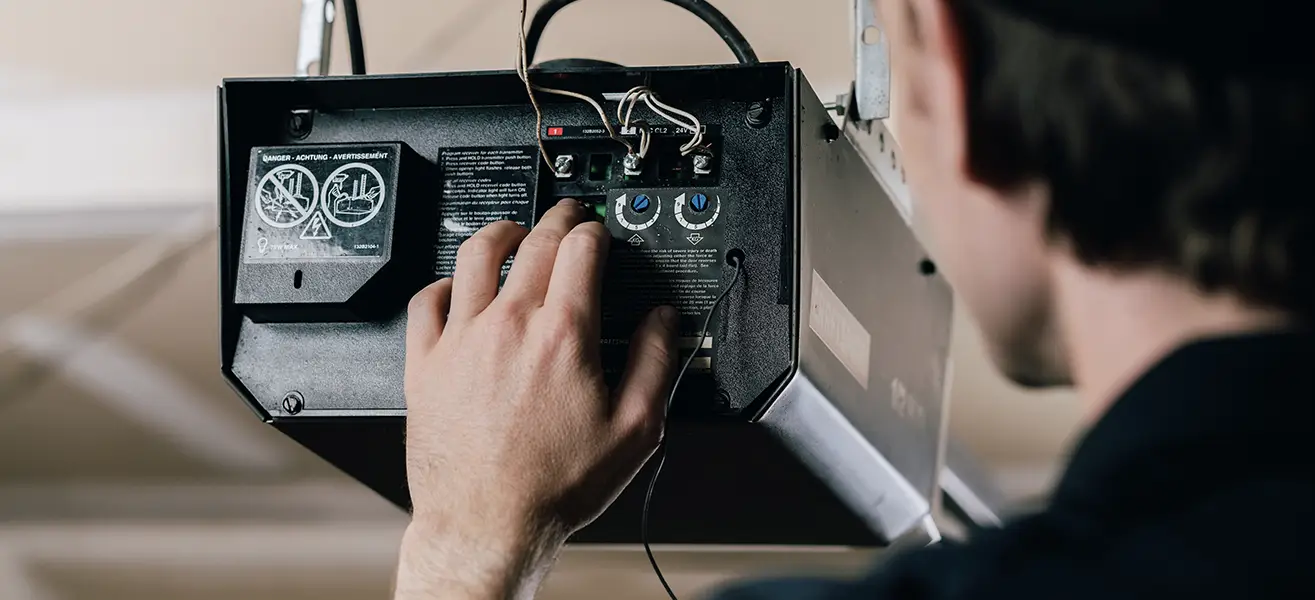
{"x": 1149, "y": 162}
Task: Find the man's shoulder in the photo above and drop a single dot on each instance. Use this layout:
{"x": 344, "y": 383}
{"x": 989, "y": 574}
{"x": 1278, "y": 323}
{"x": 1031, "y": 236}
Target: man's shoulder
{"x": 947, "y": 570}
{"x": 1246, "y": 541}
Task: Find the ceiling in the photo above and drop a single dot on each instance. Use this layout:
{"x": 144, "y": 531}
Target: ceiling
{"x": 107, "y": 138}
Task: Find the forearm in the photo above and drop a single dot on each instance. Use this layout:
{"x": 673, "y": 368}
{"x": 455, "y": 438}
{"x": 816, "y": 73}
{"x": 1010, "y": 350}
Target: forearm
{"x": 443, "y": 563}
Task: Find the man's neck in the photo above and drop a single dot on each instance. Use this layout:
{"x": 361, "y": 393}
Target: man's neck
{"x": 1116, "y": 326}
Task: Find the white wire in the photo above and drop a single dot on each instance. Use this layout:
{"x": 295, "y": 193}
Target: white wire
{"x": 693, "y": 119}
{"x": 632, "y": 97}
{"x": 694, "y": 128}
{"x": 638, "y": 93}
{"x": 523, "y": 70}
{"x": 597, "y": 107}
{"x": 658, "y": 107}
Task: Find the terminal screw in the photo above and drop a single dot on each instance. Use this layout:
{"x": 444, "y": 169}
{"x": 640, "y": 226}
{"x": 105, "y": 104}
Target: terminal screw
{"x": 633, "y": 165}
{"x": 702, "y": 164}
{"x": 564, "y": 165}
{"x": 293, "y": 402}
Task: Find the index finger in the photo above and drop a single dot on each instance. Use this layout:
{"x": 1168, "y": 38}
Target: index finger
{"x": 426, "y": 316}
{"x": 533, "y": 267}
{"x": 479, "y": 267}
{"x": 577, "y": 275}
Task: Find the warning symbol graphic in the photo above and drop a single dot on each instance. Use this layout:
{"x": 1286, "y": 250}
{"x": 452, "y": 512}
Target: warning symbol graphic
{"x": 287, "y": 196}
{"x": 317, "y": 229}
{"x": 353, "y": 195}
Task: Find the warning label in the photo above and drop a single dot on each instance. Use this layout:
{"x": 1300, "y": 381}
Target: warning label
{"x": 319, "y": 202}
{"x": 686, "y": 278}
{"x": 666, "y": 250}
{"x": 480, "y": 186}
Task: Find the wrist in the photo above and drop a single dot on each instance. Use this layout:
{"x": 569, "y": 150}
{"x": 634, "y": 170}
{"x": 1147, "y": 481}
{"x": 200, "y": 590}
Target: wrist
{"x": 441, "y": 558}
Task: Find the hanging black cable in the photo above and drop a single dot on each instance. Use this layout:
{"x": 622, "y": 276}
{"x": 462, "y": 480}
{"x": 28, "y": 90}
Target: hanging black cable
{"x": 355, "y": 43}
{"x": 710, "y": 15}
{"x": 736, "y": 259}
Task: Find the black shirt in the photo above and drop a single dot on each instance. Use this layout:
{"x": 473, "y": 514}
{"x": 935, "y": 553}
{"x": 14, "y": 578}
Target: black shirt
{"x": 1197, "y": 483}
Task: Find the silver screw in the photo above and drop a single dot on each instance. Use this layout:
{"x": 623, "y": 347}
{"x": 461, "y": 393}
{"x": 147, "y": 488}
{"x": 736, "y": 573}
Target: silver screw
{"x": 631, "y": 162}
{"x": 563, "y": 164}
{"x": 702, "y": 163}
{"x": 293, "y": 402}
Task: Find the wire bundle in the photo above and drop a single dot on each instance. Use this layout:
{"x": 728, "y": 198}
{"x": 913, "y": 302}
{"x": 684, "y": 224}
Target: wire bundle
{"x": 523, "y": 70}
{"x": 684, "y": 120}
{"x": 624, "y": 109}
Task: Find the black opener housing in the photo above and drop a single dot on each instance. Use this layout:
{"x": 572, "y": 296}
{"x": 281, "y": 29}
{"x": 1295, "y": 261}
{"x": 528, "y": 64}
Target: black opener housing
{"x": 313, "y": 326}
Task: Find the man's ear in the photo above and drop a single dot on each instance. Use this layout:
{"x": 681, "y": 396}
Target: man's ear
{"x": 934, "y": 72}
{"x": 929, "y": 35}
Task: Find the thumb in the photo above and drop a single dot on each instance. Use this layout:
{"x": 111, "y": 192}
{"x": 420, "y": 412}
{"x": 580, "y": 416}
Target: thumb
{"x": 641, "y": 399}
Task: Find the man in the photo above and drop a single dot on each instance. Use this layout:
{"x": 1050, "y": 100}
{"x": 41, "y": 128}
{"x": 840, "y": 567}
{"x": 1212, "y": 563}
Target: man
{"x": 1113, "y": 188}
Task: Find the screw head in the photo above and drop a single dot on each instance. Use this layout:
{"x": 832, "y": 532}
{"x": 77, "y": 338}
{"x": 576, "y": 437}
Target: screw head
{"x": 299, "y": 123}
{"x": 564, "y": 163}
{"x": 293, "y": 402}
{"x": 758, "y": 115}
{"x": 722, "y": 404}
{"x": 631, "y": 162}
{"x": 830, "y": 131}
{"x": 702, "y": 161}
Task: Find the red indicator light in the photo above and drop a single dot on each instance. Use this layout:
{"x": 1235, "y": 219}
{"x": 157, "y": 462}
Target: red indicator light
{"x": 555, "y": 132}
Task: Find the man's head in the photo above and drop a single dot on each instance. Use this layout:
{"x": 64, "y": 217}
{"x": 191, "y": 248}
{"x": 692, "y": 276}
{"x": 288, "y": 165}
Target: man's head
{"x": 1031, "y": 142}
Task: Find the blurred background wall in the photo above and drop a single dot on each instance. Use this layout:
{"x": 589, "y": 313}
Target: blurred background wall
{"x": 127, "y": 468}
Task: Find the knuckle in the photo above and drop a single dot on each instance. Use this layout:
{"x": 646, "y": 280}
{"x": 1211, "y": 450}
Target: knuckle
{"x": 502, "y": 328}
{"x": 541, "y": 242}
{"x": 475, "y": 248}
{"x": 509, "y": 229}
{"x": 488, "y": 240}
{"x": 589, "y": 238}
{"x": 559, "y": 332}
{"x": 422, "y": 300}
{"x": 509, "y": 315}
{"x": 645, "y": 427}
{"x": 516, "y": 305}
{"x": 654, "y": 349}
{"x": 560, "y": 325}
{"x": 428, "y": 296}
{"x": 503, "y": 227}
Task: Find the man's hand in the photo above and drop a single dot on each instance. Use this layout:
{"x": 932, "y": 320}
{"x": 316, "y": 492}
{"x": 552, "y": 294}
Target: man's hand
{"x": 514, "y": 440}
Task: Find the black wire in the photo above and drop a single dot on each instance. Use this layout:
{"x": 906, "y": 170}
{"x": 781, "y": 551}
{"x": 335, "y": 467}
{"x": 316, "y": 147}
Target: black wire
{"x": 700, "y": 8}
{"x": 355, "y": 43}
{"x": 662, "y": 447}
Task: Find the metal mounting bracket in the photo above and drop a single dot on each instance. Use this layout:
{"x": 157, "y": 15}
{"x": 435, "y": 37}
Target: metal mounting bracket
{"x": 315, "y": 36}
{"x": 871, "y": 65}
